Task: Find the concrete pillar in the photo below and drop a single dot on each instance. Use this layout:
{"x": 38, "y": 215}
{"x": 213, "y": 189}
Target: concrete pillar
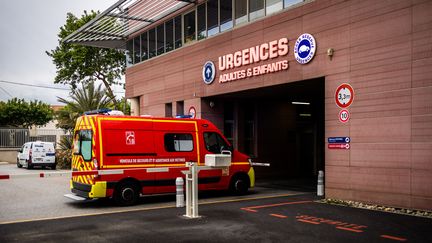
{"x": 135, "y": 106}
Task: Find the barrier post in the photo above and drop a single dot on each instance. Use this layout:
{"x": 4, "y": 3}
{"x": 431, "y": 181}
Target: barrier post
{"x": 320, "y": 188}
{"x": 179, "y": 192}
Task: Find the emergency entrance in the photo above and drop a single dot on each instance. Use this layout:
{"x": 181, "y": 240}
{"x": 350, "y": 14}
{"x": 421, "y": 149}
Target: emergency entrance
{"x": 282, "y": 125}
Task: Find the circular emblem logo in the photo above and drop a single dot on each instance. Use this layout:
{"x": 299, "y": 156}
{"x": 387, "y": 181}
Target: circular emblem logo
{"x": 209, "y": 72}
{"x": 304, "y": 48}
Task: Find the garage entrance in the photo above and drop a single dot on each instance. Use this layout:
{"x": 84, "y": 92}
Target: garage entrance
{"x": 281, "y": 125}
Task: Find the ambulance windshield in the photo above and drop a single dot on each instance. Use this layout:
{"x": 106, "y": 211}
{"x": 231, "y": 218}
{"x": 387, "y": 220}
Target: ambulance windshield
{"x": 83, "y": 144}
{"x": 215, "y": 143}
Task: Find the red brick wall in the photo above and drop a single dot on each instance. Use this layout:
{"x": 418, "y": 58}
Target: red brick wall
{"x": 382, "y": 48}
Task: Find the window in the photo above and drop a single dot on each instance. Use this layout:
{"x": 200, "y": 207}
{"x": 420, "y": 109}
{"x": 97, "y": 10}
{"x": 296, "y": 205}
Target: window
{"x": 201, "y": 18}
{"x": 129, "y": 53}
{"x": 144, "y": 46}
{"x": 177, "y": 32}
{"x": 273, "y": 6}
{"x": 225, "y": 15}
{"x": 215, "y": 143}
{"x": 180, "y": 108}
{"x": 289, "y": 3}
{"x": 152, "y": 43}
{"x": 169, "y": 35}
{"x": 137, "y": 51}
{"x": 168, "y": 110}
{"x": 189, "y": 27}
{"x": 83, "y": 144}
{"x": 178, "y": 142}
{"x": 212, "y": 17}
{"x": 241, "y": 11}
{"x": 256, "y": 9}
{"x": 160, "y": 37}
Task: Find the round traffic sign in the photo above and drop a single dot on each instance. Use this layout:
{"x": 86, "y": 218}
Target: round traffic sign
{"x": 344, "y": 116}
{"x": 192, "y": 112}
{"x": 344, "y": 95}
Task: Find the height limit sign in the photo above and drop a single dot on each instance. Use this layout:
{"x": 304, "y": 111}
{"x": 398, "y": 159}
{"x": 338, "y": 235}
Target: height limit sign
{"x": 344, "y": 95}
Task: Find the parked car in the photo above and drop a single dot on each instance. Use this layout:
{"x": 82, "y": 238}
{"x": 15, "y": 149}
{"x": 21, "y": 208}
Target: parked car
{"x": 37, "y": 154}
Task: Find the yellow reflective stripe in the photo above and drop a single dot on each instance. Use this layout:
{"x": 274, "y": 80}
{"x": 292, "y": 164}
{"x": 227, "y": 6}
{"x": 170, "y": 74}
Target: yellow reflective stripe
{"x": 240, "y": 163}
{"x": 198, "y": 144}
{"x": 100, "y": 142}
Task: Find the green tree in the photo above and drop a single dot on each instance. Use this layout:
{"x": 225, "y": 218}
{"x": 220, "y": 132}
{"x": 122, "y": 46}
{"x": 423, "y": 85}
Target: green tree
{"x": 84, "y": 64}
{"x": 64, "y": 154}
{"x": 19, "y": 113}
{"x": 82, "y": 99}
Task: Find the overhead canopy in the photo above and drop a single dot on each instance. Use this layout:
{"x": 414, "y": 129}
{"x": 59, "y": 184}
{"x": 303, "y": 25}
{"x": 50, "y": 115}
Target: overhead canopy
{"x": 112, "y": 28}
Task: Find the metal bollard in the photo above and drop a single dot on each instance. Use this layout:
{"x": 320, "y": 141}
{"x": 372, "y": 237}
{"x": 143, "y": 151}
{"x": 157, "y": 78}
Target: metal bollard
{"x": 320, "y": 189}
{"x": 179, "y": 192}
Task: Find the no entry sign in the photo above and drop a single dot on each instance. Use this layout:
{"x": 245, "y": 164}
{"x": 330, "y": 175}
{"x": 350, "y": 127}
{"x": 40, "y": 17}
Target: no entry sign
{"x": 344, "y": 95}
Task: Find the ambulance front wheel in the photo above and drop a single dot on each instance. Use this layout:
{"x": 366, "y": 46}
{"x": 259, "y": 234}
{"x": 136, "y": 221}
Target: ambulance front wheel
{"x": 239, "y": 184}
{"x": 126, "y": 193}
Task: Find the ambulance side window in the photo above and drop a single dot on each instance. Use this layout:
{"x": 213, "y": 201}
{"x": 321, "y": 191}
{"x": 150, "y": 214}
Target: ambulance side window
{"x": 178, "y": 142}
{"x": 215, "y": 143}
{"x": 83, "y": 144}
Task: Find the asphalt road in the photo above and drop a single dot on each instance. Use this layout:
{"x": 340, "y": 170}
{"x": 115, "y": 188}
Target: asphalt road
{"x": 278, "y": 219}
{"x": 34, "y": 210}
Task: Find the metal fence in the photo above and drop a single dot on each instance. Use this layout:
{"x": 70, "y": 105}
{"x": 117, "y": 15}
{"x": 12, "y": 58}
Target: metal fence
{"x": 15, "y": 138}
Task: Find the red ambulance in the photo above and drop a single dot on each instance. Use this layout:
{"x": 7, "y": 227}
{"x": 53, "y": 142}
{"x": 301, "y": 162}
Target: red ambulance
{"x": 123, "y": 157}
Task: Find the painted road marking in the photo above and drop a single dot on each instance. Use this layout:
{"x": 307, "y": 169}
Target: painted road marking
{"x": 307, "y": 221}
{"x": 349, "y": 229}
{"x": 338, "y": 224}
{"x": 393, "y": 238}
{"x": 278, "y": 215}
{"x": 252, "y": 209}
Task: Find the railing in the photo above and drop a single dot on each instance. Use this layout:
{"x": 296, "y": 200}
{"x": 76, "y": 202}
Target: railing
{"x": 15, "y": 138}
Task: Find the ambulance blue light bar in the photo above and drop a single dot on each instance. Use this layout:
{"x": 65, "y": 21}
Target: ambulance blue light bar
{"x": 98, "y": 111}
{"x": 183, "y": 116}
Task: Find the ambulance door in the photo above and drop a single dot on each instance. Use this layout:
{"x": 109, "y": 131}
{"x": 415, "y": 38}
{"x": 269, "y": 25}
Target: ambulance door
{"x": 177, "y": 148}
{"x": 213, "y": 143}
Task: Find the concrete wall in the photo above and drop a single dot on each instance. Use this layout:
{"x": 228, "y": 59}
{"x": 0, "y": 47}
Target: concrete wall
{"x": 382, "y": 48}
{"x": 8, "y": 155}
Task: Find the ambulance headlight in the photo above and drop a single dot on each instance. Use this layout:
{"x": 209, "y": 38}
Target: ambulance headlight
{"x": 95, "y": 162}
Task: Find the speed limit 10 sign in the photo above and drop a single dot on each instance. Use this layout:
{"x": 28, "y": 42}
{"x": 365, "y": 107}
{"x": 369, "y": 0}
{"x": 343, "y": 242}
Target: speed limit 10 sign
{"x": 344, "y": 95}
{"x": 344, "y": 115}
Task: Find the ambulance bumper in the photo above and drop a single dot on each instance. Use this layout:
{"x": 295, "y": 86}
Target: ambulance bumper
{"x": 98, "y": 190}
{"x": 251, "y": 175}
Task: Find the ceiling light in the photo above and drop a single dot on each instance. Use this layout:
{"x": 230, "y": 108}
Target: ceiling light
{"x": 300, "y": 103}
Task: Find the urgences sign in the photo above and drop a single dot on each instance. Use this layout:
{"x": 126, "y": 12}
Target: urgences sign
{"x": 239, "y": 65}
{"x": 245, "y": 57}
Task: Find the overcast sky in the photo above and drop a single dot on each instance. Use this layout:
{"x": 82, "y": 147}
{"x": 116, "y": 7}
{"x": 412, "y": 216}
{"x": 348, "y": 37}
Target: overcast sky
{"x": 28, "y": 28}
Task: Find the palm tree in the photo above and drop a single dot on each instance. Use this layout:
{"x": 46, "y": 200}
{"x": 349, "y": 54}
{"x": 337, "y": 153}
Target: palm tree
{"x": 83, "y": 99}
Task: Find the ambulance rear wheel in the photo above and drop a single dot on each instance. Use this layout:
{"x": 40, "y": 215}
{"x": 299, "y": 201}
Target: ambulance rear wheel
{"x": 126, "y": 194}
{"x": 239, "y": 184}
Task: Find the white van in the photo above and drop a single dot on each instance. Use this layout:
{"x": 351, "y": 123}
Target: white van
{"x": 37, "y": 154}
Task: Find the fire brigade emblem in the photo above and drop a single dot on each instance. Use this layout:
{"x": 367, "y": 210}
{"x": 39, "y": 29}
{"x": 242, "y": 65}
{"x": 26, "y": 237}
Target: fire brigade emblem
{"x": 304, "y": 48}
{"x": 130, "y": 138}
